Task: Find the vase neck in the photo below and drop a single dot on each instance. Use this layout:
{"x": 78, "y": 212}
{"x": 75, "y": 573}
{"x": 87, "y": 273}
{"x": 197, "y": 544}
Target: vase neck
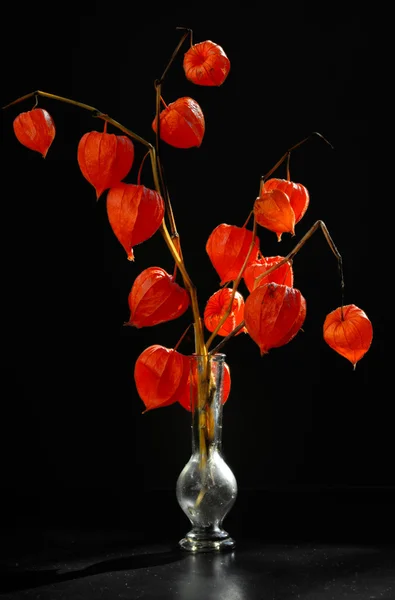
{"x": 207, "y": 391}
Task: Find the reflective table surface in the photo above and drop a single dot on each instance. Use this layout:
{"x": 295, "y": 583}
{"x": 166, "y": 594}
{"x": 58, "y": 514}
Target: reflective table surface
{"x": 302, "y": 546}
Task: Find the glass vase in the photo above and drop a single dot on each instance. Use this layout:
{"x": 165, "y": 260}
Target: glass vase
{"x": 206, "y": 487}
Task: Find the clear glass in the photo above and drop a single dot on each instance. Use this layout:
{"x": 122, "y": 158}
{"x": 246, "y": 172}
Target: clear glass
{"x": 206, "y": 487}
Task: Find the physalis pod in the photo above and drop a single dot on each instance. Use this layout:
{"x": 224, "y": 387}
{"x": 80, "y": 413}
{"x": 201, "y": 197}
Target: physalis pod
{"x": 104, "y": 159}
{"x": 160, "y": 374}
{"x": 216, "y": 307}
{"x": 182, "y": 123}
{"x": 254, "y": 274}
{"x": 227, "y": 247}
{"x": 190, "y": 388}
{"x": 349, "y": 332}
{"x": 156, "y": 298}
{"x": 273, "y": 314}
{"x": 135, "y": 213}
{"x": 299, "y": 197}
{"x": 206, "y": 64}
{"x": 35, "y": 129}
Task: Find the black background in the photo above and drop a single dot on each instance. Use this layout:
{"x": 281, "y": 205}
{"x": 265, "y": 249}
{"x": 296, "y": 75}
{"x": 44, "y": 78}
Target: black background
{"x": 72, "y": 429}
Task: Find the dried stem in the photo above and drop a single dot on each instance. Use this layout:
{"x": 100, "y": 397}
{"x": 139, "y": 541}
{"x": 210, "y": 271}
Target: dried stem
{"x": 234, "y": 288}
{"x": 199, "y": 338}
{"x": 176, "y": 51}
{"x": 289, "y": 258}
{"x": 165, "y": 191}
{"x": 287, "y": 153}
{"x": 159, "y": 99}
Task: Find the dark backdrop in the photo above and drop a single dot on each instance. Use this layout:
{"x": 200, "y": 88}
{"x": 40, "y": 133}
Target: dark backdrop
{"x": 300, "y": 418}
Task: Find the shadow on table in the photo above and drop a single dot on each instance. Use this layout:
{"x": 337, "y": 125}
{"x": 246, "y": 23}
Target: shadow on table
{"x": 19, "y": 580}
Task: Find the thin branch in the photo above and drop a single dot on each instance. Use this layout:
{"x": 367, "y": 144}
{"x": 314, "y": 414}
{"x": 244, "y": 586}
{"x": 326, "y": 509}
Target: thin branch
{"x": 289, "y": 258}
{"x": 182, "y": 337}
{"x": 165, "y": 191}
{"x": 234, "y": 289}
{"x": 180, "y": 43}
{"x": 96, "y": 113}
{"x": 286, "y": 154}
{"x": 199, "y": 338}
{"x": 227, "y": 338}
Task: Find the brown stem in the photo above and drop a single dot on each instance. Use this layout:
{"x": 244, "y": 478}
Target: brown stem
{"x": 160, "y": 187}
{"x": 218, "y": 347}
{"x": 289, "y": 258}
{"x": 96, "y": 113}
{"x": 141, "y": 167}
{"x": 234, "y": 289}
{"x": 182, "y": 337}
{"x": 286, "y": 154}
{"x": 199, "y": 338}
{"x": 165, "y": 192}
{"x": 180, "y": 43}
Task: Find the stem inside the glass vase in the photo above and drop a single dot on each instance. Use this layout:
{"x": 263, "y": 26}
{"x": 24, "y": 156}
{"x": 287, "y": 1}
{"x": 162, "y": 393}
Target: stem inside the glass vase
{"x": 206, "y": 387}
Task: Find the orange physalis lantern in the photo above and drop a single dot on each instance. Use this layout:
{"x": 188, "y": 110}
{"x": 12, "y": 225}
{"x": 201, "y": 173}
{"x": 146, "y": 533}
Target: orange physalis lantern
{"x": 160, "y": 373}
{"x": 273, "y": 314}
{"x": 283, "y": 274}
{"x": 135, "y": 213}
{"x": 182, "y": 123}
{"x": 217, "y": 306}
{"x": 185, "y": 394}
{"x": 227, "y": 247}
{"x": 273, "y": 210}
{"x": 35, "y": 129}
{"x": 105, "y": 159}
{"x": 156, "y": 298}
{"x": 298, "y": 195}
{"x": 206, "y": 64}
{"x": 349, "y": 332}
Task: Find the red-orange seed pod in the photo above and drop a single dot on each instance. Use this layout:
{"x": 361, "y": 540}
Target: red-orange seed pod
{"x": 349, "y": 332}
{"x": 283, "y": 274}
{"x": 135, "y": 213}
{"x": 297, "y": 193}
{"x": 273, "y": 315}
{"x": 160, "y": 373}
{"x": 182, "y": 123}
{"x": 273, "y": 211}
{"x": 156, "y": 298}
{"x": 227, "y": 247}
{"x": 184, "y": 397}
{"x": 35, "y": 129}
{"x": 105, "y": 159}
{"x": 217, "y": 306}
{"x": 206, "y": 63}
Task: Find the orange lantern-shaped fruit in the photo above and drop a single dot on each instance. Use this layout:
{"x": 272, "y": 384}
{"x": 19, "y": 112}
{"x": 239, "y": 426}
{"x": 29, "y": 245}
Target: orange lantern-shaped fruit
{"x": 206, "y": 64}
{"x": 273, "y": 315}
{"x": 135, "y": 213}
{"x": 349, "y": 332}
{"x": 297, "y": 193}
{"x": 217, "y": 305}
{"x": 182, "y": 123}
{"x": 160, "y": 373}
{"x": 35, "y": 129}
{"x": 185, "y": 394}
{"x": 273, "y": 210}
{"x": 105, "y": 159}
{"x": 156, "y": 298}
{"x": 227, "y": 247}
{"x": 283, "y": 274}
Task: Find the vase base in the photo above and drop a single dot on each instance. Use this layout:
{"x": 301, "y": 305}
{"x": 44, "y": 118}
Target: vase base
{"x": 191, "y": 544}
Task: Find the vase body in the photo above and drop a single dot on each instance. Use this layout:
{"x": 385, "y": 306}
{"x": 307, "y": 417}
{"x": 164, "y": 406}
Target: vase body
{"x": 206, "y": 487}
